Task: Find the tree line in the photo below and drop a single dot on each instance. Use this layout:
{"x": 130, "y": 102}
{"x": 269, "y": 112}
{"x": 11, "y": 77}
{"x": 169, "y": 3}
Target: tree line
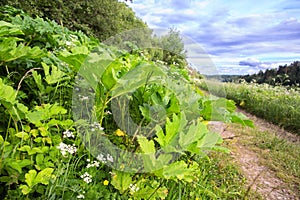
{"x": 288, "y": 75}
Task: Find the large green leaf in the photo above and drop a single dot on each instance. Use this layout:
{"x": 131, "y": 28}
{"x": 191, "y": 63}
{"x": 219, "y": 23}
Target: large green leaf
{"x": 75, "y": 57}
{"x": 7, "y": 93}
{"x": 45, "y": 112}
{"x": 29, "y": 178}
{"x": 121, "y": 180}
{"x": 142, "y": 74}
{"x": 194, "y": 133}
{"x": 8, "y": 29}
{"x": 10, "y": 50}
{"x": 148, "y": 149}
{"x": 179, "y": 171}
{"x": 18, "y": 164}
{"x": 169, "y": 140}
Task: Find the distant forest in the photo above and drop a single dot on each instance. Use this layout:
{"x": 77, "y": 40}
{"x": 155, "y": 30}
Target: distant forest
{"x": 288, "y": 75}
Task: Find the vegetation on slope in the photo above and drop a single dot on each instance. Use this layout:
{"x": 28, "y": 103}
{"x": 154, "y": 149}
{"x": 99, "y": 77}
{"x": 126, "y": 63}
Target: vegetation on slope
{"x": 64, "y": 131}
{"x": 98, "y": 18}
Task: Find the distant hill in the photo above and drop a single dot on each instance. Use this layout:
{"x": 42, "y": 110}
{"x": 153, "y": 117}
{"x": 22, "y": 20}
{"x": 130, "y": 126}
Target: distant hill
{"x": 223, "y": 78}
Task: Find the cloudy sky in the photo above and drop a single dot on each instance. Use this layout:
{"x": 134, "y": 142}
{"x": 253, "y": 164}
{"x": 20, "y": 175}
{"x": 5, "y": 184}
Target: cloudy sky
{"x": 227, "y": 36}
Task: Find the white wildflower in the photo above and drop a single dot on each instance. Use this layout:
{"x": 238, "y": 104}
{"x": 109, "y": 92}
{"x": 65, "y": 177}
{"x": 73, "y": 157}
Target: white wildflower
{"x": 110, "y": 158}
{"x": 94, "y": 164}
{"x": 133, "y": 188}
{"x": 81, "y": 196}
{"x": 101, "y": 158}
{"x": 95, "y": 126}
{"x": 68, "y": 134}
{"x": 86, "y": 177}
{"x": 64, "y": 148}
{"x": 108, "y": 112}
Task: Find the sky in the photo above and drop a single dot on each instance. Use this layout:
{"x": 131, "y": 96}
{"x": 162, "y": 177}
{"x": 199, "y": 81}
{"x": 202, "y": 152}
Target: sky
{"x": 227, "y": 36}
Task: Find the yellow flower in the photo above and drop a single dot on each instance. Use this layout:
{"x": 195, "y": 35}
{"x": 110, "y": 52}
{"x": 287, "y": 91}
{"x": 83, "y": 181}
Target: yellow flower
{"x": 242, "y": 103}
{"x": 106, "y": 182}
{"x": 120, "y": 133}
{"x": 205, "y": 122}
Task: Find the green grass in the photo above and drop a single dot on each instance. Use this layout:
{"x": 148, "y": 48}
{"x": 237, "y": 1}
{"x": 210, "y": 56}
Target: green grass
{"x": 219, "y": 177}
{"x": 278, "y": 104}
{"x": 279, "y": 155}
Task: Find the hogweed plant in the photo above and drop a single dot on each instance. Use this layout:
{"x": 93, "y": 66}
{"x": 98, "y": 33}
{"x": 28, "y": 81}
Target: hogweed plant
{"x": 89, "y": 121}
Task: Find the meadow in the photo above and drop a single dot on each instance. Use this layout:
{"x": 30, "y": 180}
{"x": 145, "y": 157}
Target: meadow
{"x": 277, "y": 104}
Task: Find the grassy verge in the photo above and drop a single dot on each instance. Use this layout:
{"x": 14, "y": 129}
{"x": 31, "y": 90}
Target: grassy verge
{"x": 221, "y": 178}
{"x": 275, "y": 104}
{"x": 279, "y": 155}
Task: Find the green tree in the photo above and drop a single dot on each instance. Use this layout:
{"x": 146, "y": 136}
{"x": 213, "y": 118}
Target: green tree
{"x": 98, "y": 18}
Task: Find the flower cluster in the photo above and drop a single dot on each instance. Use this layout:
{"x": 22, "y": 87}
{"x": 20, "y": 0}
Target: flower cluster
{"x": 64, "y": 148}
{"x": 133, "y": 188}
{"x": 68, "y": 134}
{"x": 94, "y": 164}
{"x": 104, "y": 159}
{"x": 86, "y": 177}
{"x": 95, "y": 126}
{"x": 81, "y": 196}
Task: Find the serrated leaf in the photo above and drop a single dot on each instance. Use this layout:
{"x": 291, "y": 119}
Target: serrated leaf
{"x": 168, "y": 141}
{"x": 178, "y": 170}
{"x": 194, "y": 133}
{"x": 209, "y": 140}
{"x": 38, "y": 80}
{"x": 76, "y": 57}
{"x": 146, "y": 145}
{"x": 55, "y": 76}
{"x": 142, "y": 74}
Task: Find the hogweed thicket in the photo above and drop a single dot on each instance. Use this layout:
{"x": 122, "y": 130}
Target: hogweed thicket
{"x": 80, "y": 119}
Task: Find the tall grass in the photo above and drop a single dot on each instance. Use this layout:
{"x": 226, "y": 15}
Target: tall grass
{"x": 278, "y": 104}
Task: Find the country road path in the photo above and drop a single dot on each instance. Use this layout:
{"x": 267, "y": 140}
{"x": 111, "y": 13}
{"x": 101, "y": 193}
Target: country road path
{"x": 259, "y": 177}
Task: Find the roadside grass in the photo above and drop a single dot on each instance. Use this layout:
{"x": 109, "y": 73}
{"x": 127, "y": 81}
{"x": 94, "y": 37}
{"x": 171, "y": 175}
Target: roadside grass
{"x": 279, "y": 155}
{"x": 219, "y": 177}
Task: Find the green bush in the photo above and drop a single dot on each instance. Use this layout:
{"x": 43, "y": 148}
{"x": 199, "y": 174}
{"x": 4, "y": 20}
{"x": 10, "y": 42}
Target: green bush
{"x": 98, "y": 18}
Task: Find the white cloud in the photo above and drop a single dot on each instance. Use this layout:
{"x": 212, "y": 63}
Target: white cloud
{"x": 231, "y": 31}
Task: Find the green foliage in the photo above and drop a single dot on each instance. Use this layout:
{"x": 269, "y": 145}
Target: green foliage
{"x": 287, "y": 75}
{"x": 49, "y": 151}
{"x": 278, "y": 104}
{"x": 98, "y": 18}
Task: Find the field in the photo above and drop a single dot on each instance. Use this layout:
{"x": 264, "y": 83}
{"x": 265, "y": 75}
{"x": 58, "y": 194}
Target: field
{"x": 277, "y": 104}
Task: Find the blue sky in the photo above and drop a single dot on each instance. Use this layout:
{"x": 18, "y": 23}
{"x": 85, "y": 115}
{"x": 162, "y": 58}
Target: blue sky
{"x": 229, "y": 37}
